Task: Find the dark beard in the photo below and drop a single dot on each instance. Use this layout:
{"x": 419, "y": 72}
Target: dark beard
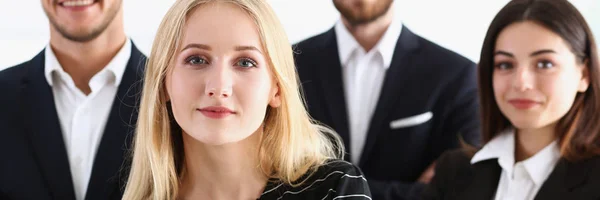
{"x": 364, "y": 15}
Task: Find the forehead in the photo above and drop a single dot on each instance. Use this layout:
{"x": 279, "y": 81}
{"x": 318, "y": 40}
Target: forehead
{"x": 527, "y": 37}
{"x": 221, "y": 24}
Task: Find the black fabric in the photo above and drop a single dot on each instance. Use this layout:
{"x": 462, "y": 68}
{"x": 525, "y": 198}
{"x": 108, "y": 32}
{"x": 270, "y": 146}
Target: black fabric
{"x": 336, "y": 179}
{"x": 457, "y": 178}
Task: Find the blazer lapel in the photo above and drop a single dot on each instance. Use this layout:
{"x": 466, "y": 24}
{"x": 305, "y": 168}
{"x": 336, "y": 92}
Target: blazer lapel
{"x": 106, "y": 179}
{"x": 43, "y": 128}
{"x": 482, "y": 182}
{"x": 392, "y": 88}
{"x": 332, "y": 85}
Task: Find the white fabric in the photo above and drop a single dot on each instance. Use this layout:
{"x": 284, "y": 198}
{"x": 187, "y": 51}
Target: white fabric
{"x": 363, "y": 74}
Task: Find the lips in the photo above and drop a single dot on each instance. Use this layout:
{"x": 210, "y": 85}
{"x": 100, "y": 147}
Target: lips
{"x": 523, "y": 104}
{"x": 216, "y": 112}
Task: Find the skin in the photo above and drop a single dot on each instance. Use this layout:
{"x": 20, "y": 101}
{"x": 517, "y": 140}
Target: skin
{"x": 85, "y": 39}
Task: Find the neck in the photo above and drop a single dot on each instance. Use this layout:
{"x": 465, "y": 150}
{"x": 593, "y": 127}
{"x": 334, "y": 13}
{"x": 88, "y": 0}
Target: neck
{"x": 368, "y": 34}
{"x": 82, "y": 60}
{"x": 227, "y": 171}
{"x": 528, "y": 142}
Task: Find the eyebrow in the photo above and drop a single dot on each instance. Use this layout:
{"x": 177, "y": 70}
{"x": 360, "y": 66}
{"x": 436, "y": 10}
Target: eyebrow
{"x": 543, "y": 51}
{"x": 247, "y": 48}
{"x": 198, "y": 46}
{"x": 206, "y": 47}
{"x": 503, "y": 53}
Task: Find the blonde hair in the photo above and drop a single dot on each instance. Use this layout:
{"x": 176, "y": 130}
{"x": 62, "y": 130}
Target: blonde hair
{"x": 291, "y": 145}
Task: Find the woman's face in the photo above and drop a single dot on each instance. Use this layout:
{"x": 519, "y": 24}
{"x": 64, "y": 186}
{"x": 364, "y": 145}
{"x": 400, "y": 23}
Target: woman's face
{"x": 536, "y": 76}
{"x": 220, "y": 84}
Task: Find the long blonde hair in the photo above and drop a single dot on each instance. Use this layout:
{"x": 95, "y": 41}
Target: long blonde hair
{"x": 291, "y": 145}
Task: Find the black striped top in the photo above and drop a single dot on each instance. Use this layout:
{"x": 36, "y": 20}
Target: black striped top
{"x": 337, "y": 179}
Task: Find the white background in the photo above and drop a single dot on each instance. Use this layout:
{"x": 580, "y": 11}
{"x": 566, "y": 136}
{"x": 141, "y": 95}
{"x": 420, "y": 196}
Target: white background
{"x": 459, "y": 25}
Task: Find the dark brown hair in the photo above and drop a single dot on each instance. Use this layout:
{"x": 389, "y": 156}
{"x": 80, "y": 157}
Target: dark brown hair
{"x": 579, "y": 130}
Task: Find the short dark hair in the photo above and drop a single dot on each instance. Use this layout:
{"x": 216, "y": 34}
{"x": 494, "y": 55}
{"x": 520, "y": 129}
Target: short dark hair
{"x": 579, "y": 130}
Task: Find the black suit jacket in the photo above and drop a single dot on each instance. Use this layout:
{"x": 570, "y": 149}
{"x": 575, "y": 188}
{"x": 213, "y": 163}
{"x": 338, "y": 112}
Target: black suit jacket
{"x": 456, "y": 178}
{"x": 34, "y": 159}
{"x": 422, "y": 77}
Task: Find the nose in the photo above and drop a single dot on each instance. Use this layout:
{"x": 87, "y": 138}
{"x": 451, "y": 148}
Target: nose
{"x": 523, "y": 78}
{"x": 219, "y": 82}
{"x": 214, "y": 92}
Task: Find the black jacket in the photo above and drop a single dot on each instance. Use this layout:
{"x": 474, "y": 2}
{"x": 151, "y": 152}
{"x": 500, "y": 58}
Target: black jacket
{"x": 35, "y": 163}
{"x": 457, "y": 178}
{"x": 422, "y": 78}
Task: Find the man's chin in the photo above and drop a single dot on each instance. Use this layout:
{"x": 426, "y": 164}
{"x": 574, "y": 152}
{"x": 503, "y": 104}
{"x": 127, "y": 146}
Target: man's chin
{"x": 359, "y": 20}
{"x": 86, "y": 37}
{"x": 80, "y": 35}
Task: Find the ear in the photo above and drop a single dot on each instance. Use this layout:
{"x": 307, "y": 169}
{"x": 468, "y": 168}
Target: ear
{"x": 584, "y": 83}
{"x": 275, "y": 97}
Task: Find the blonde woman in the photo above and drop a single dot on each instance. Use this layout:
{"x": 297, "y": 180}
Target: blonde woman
{"x": 222, "y": 116}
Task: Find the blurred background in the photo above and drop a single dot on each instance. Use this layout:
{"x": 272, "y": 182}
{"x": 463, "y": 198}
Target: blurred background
{"x": 459, "y": 25}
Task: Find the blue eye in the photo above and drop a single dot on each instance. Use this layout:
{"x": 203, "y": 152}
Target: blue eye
{"x": 246, "y": 63}
{"x": 544, "y": 64}
{"x": 195, "y": 60}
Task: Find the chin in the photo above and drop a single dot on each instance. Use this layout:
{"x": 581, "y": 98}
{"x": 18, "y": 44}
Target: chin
{"x": 213, "y": 140}
{"x": 216, "y": 138}
{"x": 528, "y": 123}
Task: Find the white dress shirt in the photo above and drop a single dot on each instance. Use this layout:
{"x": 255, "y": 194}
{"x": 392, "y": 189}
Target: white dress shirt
{"x": 521, "y": 180}
{"x": 363, "y": 75}
{"x": 83, "y": 117}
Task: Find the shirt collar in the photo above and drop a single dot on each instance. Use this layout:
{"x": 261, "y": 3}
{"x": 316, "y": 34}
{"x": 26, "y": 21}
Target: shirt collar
{"x": 117, "y": 65}
{"x": 502, "y": 147}
{"x": 540, "y": 165}
{"x": 385, "y": 46}
{"x": 345, "y": 42}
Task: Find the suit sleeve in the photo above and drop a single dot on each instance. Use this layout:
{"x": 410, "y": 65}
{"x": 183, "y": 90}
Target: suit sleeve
{"x": 436, "y": 188}
{"x": 462, "y": 120}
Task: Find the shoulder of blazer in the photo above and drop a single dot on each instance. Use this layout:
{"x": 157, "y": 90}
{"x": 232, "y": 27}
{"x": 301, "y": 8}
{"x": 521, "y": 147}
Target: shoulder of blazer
{"x": 14, "y": 75}
{"x": 442, "y": 54}
{"x": 309, "y": 48}
{"x": 440, "y": 59}
{"x": 589, "y": 168}
{"x": 309, "y": 53}
{"x": 13, "y": 78}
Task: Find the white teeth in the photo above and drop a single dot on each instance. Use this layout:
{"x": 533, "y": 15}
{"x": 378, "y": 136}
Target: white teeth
{"x": 78, "y": 3}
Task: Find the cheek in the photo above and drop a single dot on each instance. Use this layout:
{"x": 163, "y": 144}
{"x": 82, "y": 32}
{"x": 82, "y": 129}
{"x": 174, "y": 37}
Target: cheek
{"x": 500, "y": 84}
{"x": 253, "y": 94}
{"x": 183, "y": 88}
{"x": 560, "y": 91}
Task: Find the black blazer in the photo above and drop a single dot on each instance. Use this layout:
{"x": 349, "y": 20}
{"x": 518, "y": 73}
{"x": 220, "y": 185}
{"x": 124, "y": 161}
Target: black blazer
{"x": 34, "y": 159}
{"x": 456, "y": 178}
{"x": 422, "y": 77}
